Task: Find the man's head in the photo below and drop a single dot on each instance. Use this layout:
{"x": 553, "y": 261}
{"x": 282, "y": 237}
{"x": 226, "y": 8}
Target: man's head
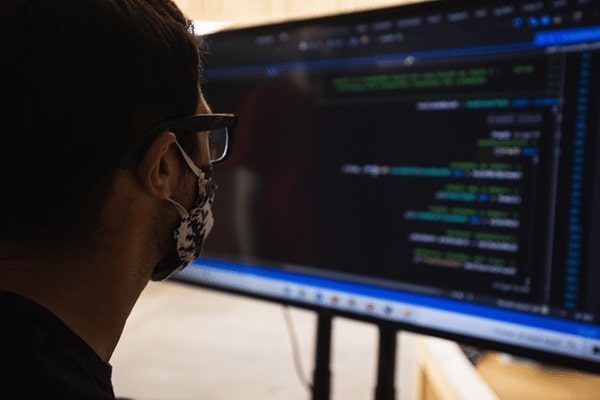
{"x": 81, "y": 81}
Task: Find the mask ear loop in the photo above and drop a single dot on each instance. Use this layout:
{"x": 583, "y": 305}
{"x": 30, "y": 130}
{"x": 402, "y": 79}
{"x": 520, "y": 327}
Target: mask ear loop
{"x": 183, "y": 213}
{"x": 180, "y": 209}
{"x": 197, "y": 171}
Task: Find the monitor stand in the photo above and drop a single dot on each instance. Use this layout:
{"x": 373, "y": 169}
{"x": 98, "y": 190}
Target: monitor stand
{"x": 386, "y": 360}
{"x": 321, "y": 386}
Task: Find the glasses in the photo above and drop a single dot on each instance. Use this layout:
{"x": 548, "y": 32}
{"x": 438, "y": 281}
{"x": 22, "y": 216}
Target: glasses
{"x": 218, "y": 127}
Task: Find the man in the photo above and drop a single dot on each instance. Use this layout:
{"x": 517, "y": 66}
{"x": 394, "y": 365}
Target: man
{"x": 106, "y": 182}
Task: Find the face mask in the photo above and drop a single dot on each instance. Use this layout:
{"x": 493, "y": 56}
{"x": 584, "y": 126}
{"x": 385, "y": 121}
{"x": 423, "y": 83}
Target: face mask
{"x": 194, "y": 226}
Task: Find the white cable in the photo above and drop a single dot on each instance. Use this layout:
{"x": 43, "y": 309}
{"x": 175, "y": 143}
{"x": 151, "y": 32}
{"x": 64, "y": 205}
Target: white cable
{"x": 294, "y": 340}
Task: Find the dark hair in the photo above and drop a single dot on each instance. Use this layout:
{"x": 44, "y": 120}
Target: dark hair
{"x": 80, "y": 81}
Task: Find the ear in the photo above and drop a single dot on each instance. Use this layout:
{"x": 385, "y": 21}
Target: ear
{"x": 159, "y": 169}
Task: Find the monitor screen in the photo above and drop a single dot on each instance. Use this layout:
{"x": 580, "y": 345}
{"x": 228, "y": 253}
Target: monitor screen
{"x": 433, "y": 165}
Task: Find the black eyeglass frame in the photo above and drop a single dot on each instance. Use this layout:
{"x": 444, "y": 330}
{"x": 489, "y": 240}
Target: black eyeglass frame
{"x": 191, "y": 123}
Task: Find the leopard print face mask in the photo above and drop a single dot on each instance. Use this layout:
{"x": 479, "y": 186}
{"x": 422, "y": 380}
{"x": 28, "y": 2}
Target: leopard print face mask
{"x": 195, "y": 224}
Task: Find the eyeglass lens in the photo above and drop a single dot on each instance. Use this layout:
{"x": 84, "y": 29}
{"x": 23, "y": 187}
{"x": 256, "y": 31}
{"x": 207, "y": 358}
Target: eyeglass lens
{"x": 218, "y": 142}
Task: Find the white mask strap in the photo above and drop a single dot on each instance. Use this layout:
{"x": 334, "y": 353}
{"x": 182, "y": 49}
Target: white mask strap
{"x": 197, "y": 171}
{"x": 180, "y": 209}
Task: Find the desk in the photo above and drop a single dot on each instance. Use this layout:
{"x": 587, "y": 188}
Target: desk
{"x": 518, "y": 380}
{"x": 186, "y": 343}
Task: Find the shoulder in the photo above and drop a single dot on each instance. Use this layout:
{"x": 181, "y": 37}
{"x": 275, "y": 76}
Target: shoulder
{"x": 42, "y": 356}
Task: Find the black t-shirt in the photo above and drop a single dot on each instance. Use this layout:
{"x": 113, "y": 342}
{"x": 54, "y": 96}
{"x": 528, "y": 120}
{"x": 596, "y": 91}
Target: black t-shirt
{"x": 41, "y": 358}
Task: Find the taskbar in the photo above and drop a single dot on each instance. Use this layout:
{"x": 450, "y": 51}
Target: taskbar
{"x": 539, "y": 333}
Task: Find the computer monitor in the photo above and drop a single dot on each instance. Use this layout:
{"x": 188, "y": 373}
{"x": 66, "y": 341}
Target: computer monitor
{"x": 434, "y": 166}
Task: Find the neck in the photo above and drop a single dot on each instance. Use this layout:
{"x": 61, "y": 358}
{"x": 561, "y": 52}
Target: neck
{"x": 86, "y": 289}
{"x": 93, "y": 285}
